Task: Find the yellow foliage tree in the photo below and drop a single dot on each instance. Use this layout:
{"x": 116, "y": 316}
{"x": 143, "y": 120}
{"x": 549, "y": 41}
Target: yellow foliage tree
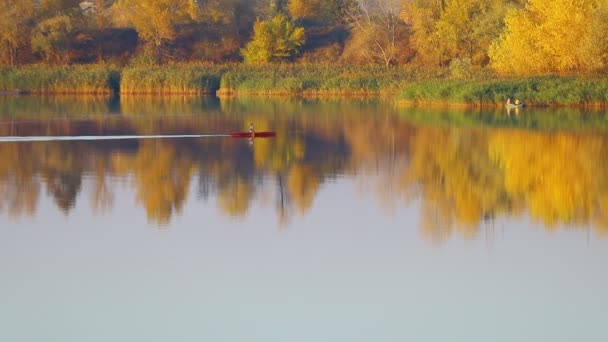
{"x": 549, "y": 36}
{"x": 304, "y": 9}
{"x": 273, "y": 40}
{"x": 155, "y": 20}
{"x": 467, "y": 27}
{"x": 444, "y": 30}
{"x": 14, "y": 29}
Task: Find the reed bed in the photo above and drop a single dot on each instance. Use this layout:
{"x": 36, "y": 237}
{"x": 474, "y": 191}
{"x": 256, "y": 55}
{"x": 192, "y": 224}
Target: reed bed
{"x": 319, "y": 79}
{"x": 42, "y": 79}
{"x": 536, "y": 91}
{"x": 181, "y": 79}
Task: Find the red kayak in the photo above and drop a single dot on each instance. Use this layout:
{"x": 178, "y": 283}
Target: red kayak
{"x": 257, "y": 135}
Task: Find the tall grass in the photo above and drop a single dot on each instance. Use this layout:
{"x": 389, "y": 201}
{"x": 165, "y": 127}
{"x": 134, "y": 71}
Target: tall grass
{"x": 319, "y": 79}
{"x": 188, "y": 79}
{"x": 538, "y": 91}
{"x": 41, "y": 79}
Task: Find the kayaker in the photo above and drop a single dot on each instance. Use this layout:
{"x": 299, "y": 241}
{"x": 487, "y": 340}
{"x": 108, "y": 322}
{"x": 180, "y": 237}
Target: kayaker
{"x": 251, "y": 130}
{"x": 508, "y": 101}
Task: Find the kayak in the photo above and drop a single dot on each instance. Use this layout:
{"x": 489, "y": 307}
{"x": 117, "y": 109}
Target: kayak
{"x": 249, "y": 135}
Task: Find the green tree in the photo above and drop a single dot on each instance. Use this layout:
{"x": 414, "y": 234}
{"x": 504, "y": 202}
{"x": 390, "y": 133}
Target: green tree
{"x": 15, "y": 16}
{"x": 561, "y": 36}
{"x": 273, "y": 40}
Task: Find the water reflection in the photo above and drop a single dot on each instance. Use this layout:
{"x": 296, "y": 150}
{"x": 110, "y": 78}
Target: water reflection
{"x": 463, "y": 175}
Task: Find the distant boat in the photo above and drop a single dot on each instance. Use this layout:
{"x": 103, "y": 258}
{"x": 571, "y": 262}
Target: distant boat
{"x": 250, "y": 135}
{"x": 513, "y": 105}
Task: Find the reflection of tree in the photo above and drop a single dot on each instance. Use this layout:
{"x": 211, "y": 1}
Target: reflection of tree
{"x": 302, "y": 183}
{"x": 102, "y": 198}
{"x": 64, "y": 187}
{"x": 234, "y": 198}
{"x": 560, "y": 177}
{"x": 19, "y": 188}
{"x": 162, "y": 179}
{"x": 460, "y": 184}
{"x": 62, "y": 172}
{"x": 19, "y": 196}
{"x": 462, "y": 176}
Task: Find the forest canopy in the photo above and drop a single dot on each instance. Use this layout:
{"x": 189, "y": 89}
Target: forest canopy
{"x": 512, "y": 37}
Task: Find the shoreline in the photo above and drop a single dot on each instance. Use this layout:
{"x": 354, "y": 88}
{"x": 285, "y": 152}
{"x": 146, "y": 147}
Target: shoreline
{"x": 407, "y": 86}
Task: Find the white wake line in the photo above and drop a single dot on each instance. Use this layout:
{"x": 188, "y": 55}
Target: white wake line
{"x": 106, "y": 137}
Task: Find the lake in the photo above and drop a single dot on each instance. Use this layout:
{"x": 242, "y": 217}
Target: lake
{"x": 360, "y": 221}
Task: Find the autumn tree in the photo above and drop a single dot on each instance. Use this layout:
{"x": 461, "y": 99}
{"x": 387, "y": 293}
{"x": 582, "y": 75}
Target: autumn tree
{"x": 443, "y": 31}
{"x": 468, "y": 27}
{"x": 378, "y": 36}
{"x": 305, "y": 9}
{"x": 421, "y": 16}
{"x": 560, "y": 36}
{"x": 155, "y": 20}
{"x": 56, "y": 22}
{"x": 276, "y": 7}
{"x": 51, "y": 38}
{"x": 274, "y": 40}
{"x": 15, "y": 16}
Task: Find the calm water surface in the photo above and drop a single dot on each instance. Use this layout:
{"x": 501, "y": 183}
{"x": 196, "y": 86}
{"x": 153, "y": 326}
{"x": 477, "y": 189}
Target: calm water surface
{"x": 360, "y": 221}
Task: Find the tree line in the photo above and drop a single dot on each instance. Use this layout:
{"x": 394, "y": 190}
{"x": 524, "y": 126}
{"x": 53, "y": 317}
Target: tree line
{"x": 509, "y": 36}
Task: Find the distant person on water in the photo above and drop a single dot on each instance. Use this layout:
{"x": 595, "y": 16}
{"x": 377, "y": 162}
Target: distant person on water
{"x": 509, "y": 101}
{"x": 251, "y": 128}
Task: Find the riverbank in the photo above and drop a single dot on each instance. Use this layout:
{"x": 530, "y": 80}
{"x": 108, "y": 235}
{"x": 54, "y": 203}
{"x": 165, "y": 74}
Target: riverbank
{"x": 409, "y": 85}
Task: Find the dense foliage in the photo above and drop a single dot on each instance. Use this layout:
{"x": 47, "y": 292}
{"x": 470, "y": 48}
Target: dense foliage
{"x": 511, "y": 36}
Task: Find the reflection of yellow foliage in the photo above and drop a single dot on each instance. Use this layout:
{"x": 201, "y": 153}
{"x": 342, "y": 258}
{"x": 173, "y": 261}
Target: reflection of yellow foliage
{"x": 302, "y": 184}
{"x": 457, "y": 178}
{"x": 561, "y": 177}
{"x": 234, "y": 198}
{"x": 278, "y": 153}
{"x": 162, "y": 179}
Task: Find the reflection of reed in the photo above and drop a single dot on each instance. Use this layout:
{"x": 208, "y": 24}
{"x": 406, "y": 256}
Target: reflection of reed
{"x": 37, "y": 107}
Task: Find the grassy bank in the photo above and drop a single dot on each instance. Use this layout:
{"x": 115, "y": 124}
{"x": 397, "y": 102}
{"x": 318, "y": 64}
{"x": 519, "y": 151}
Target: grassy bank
{"x": 89, "y": 79}
{"x": 320, "y": 79}
{"x": 171, "y": 79}
{"x": 415, "y": 85}
{"x": 534, "y": 91}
